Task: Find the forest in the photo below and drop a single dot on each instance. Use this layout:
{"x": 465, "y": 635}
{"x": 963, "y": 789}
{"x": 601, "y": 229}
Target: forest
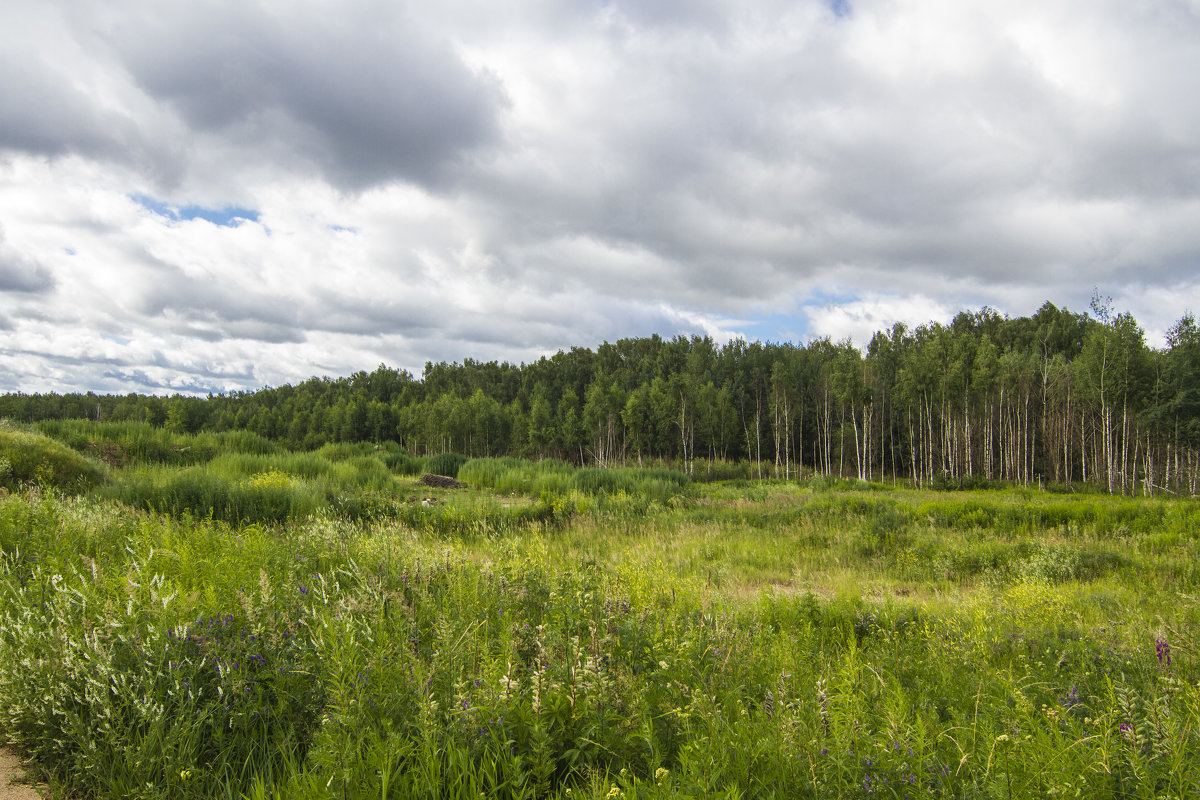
{"x": 1058, "y": 398}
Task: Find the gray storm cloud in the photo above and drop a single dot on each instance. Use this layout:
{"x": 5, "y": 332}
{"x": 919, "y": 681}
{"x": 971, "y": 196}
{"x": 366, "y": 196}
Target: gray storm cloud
{"x": 367, "y": 95}
{"x": 20, "y": 273}
{"x": 362, "y": 92}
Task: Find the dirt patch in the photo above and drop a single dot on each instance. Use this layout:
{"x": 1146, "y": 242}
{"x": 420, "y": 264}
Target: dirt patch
{"x": 14, "y": 780}
{"x": 442, "y": 482}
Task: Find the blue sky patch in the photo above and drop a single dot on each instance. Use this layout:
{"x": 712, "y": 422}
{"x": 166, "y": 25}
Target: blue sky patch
{"x": 225, "y": 216}
{"x": 786, "y": 326}
{"x": 841, "y": 8}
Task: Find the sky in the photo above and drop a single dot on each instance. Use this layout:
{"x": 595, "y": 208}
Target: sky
{"x": 213, "y": 196}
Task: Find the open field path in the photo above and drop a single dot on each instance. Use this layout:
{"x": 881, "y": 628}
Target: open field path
{"x": 13, "y": 779}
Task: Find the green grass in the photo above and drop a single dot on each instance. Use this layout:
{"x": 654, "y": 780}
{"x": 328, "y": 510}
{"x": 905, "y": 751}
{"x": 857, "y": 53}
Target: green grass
{"x": 30, "y": 458}
{"x": 124, "y": 443}
{"x": 554, "y": 633}
{"x": 518, "y": 476}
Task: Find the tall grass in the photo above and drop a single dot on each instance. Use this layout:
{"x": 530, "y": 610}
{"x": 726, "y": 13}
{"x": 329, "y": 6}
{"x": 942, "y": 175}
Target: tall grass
{"x": 269, "y": 497}
{"x": 123, "y": 443}
{"x": 250, "y": 487}
{"x": 774, "y": 640}
{"x": 28, "y": 457}
{"x": 445, "y": 464}
{"x": 517, "y": 476}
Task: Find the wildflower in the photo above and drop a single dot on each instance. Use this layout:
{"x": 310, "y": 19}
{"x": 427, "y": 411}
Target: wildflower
{"x": 1163, "y": 648}
{"x": 303, "y": 590}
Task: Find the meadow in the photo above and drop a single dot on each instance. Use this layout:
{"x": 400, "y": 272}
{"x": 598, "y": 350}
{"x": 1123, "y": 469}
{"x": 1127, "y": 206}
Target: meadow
{"x": 215, "y": 616}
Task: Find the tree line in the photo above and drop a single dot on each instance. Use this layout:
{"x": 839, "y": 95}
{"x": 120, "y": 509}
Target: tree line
{"x": 1056, "y": 397}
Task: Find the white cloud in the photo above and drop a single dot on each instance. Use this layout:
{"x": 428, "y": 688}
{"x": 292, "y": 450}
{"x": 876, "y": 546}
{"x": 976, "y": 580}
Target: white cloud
{"x": 859, "y": 319}
{"x": 459, "y": 180}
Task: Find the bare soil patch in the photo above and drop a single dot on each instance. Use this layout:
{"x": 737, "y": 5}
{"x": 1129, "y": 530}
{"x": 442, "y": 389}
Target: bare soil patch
{"x": 14, "y": 780}
{"x": 441, "y": 482}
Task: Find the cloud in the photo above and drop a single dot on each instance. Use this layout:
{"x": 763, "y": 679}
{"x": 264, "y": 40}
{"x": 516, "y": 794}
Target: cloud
{"x": 20, "y": 273}
{"x": 258, "y": 192}
{"x": 859, "y": 319}
{"x": 364, "y": 93}
{"x": 361, "y": 93}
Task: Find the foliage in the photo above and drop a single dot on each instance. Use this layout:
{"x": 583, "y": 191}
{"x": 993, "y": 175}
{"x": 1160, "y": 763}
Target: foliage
{"x": 122, "y": 443}
{"x": 272, "y": 497}
{"x": 985, "y": 401}
{"x": 513, "y": 476}
{"x": 30, "y": 458}
{"x": 629, "y": 635}
{"x": 445, "y": 464}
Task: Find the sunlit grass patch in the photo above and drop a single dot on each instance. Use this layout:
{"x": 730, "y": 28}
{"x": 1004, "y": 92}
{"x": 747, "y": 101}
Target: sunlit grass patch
{"x": 766, "y": 640}
{"x": 513, "y": 475}
{"x": 29, "y": 458}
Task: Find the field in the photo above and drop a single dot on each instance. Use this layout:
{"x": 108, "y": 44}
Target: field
{"x": 214, "y": 616}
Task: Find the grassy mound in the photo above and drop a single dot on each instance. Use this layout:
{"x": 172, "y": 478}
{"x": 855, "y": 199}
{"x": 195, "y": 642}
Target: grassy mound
{"x": 28, "y": 457}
